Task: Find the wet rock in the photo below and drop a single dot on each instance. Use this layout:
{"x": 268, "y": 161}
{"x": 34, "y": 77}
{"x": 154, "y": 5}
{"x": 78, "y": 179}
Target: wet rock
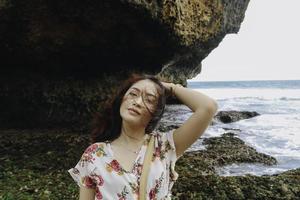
{"x": 196, "y": 186}
{"x": 221, "y": 151}
{"x": 198, "y": 180}
{"x": 233, "y": 116}
{"x": 230, "y": 149}
{"x": 164, "y": 128}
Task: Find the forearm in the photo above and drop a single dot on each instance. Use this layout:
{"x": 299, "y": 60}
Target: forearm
{"x": 86, "y": 193}
{"x": 193, "y": 99}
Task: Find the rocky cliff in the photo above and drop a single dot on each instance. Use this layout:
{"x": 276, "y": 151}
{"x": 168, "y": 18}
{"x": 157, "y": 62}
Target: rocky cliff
{"x": 61, "y": 59}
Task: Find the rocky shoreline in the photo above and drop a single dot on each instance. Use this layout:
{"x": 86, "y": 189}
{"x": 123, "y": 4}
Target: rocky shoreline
{"x": 198, "y": 179}
{"x": 197, "y": 169}
{"x": 34, "y": 164}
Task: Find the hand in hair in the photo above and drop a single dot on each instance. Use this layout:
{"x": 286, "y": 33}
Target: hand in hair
{"x": 171, "y": 87}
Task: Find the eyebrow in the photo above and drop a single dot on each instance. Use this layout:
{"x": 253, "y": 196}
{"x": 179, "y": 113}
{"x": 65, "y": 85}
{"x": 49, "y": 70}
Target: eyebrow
{"x": 140, "y": 90}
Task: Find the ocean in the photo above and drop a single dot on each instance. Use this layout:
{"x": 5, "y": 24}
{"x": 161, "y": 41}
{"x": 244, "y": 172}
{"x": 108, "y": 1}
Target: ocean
{"x": 275, "y": 132}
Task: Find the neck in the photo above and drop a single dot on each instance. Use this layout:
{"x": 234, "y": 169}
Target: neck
{"x": 132, "y": 135}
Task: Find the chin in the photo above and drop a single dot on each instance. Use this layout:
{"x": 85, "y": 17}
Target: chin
{"x": 132, "y": 122}
{"x": 130, "y": 118}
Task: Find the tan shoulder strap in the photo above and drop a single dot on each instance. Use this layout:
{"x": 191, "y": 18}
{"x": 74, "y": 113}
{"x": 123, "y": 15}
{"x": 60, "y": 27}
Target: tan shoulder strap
{"x": 146, "y": 167}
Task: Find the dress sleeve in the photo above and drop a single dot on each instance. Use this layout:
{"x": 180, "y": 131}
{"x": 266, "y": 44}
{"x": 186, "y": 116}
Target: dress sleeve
{"x": 82, "y": 172}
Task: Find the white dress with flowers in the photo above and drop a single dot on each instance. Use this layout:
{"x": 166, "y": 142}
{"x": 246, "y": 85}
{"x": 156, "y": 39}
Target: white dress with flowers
{"x": 98, "y": 169}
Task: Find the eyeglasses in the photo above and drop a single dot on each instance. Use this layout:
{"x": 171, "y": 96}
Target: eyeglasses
{"x": 149, "y": 99}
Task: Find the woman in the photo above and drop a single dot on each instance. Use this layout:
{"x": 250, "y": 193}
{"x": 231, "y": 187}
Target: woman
{"x": 111, "y": 167}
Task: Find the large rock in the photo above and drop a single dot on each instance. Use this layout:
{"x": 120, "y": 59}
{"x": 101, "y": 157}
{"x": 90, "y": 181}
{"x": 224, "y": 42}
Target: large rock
{"x": 60, "y": 59}
{"x": 196, "y": 186}
{"x": 233, "y": 115}
{"x": 221, "y": 151}
{"x": 198, "y": 180}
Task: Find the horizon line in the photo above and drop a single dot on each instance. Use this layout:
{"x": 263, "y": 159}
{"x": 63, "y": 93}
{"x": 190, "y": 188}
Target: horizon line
{"x": 243, "y": 80}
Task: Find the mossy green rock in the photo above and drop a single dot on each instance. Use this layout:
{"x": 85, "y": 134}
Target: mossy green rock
{"x": 34, "y": 165}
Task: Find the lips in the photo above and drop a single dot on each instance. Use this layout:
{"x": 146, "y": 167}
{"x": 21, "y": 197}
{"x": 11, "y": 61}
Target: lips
{"x": 134, "y": 110}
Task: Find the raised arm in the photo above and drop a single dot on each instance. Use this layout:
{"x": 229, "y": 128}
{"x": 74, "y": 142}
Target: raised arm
{"x": 204, "y": 109}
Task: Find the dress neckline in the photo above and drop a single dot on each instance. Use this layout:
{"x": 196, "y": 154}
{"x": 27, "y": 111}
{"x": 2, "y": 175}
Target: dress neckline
{"x": 139, "y": 154}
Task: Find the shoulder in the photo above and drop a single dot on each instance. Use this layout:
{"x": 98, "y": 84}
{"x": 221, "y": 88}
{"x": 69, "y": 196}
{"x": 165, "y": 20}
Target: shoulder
{"x": 93, "y": 152}
{"x": 95, "y": 149}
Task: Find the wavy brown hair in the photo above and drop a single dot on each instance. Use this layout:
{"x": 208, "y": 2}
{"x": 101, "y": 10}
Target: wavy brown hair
{"x": 108, "y": 124}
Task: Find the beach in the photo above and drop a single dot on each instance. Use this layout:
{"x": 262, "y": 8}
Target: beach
{"x": 244, "y": 159}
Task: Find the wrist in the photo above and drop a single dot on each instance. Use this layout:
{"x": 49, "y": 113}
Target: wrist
{"x": 174, "y": 88}
{"x": 171, "y": 89}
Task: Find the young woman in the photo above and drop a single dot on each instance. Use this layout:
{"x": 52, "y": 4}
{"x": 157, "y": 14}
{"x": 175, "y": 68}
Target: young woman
{"x": 111, "y": 167}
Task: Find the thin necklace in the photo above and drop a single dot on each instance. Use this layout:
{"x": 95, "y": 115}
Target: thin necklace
{"x": 135, "y": 152}
{"x": 134, "y": 137}
{"x": 138, "y": 150}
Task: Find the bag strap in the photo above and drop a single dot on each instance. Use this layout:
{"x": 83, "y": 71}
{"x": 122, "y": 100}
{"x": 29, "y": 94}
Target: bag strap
{"x": 146, "y": 167}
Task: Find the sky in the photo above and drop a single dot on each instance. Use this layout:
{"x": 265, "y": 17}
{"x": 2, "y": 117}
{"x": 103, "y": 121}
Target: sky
{"x": 265, "y": 48}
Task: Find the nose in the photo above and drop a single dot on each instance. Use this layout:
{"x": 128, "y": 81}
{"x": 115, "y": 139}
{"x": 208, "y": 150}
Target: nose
{"x": 139, "y": 100}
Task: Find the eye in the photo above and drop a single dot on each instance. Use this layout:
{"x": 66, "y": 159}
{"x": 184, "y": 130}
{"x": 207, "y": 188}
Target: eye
{"x": 132, "y": 94}
{"x": 150, "y": 100}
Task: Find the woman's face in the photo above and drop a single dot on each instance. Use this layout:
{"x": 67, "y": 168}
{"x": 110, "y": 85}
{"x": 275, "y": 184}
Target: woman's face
{"x": 133, "y": 100}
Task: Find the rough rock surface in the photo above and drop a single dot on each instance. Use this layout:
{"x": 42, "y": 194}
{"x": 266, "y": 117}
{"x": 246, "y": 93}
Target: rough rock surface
{"x": 220, "y": 151}
{"x": 34, "y": 164}
{"x": 198, "y": 180}
{"x": 233, "y": 115}
{"x": 279, "y": 186}
{"x": 60, "y": 60}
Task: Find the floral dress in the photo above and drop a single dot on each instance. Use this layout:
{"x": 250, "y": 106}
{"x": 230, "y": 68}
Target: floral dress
{"x": 98, "y": 169}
